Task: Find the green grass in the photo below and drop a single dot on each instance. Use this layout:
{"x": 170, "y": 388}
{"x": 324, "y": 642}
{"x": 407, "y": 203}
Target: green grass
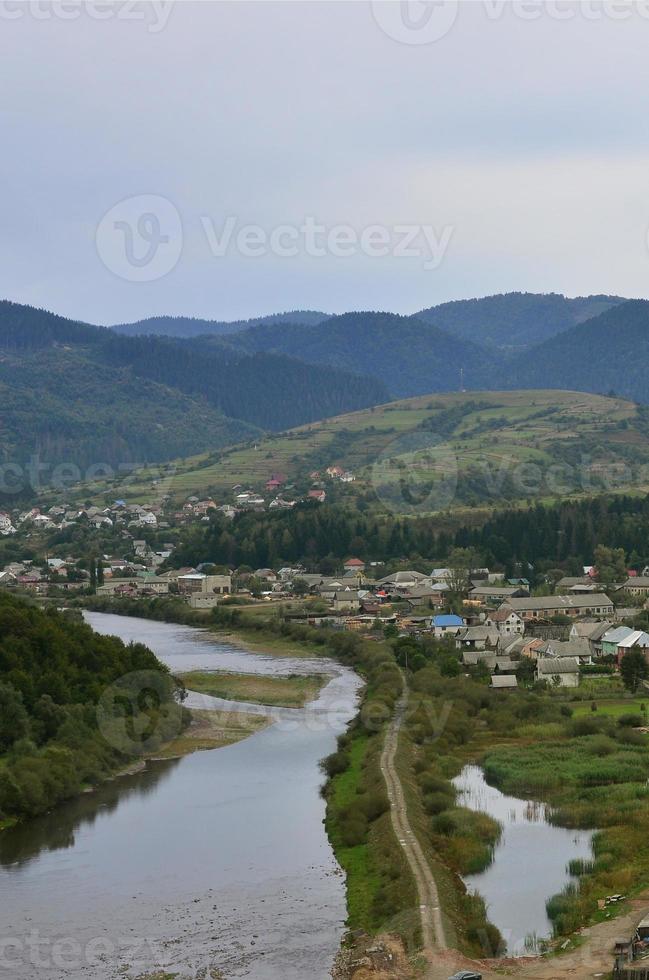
{"x": 614, "y": 709}
{"x": 363, "y": 878}
{"x": 498, "y": 430}
{"x": 282, "y": 692}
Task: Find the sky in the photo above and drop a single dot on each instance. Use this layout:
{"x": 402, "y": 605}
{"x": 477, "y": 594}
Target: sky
{"x": 226, "y": 160}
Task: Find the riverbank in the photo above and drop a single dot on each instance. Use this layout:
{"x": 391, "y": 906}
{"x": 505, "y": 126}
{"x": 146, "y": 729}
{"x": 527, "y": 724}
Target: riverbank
{"x": 381, "y": 894}
{"x": 258, "y": 628}
{"x": 211, "y": 730}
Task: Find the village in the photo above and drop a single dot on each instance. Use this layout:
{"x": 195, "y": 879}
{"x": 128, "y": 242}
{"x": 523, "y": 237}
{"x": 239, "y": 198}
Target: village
{"x": 495, "y": 626}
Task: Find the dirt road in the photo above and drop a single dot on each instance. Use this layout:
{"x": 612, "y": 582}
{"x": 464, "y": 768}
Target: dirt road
{"x": 432, "y": 926}
{"x": 592, "y": 959}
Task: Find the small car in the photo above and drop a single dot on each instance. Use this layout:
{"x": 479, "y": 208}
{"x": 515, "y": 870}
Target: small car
{"x": 466, "y": 975}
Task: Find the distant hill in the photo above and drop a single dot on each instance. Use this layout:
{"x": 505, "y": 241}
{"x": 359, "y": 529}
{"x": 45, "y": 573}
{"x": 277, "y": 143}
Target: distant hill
{"x": 72, "y": 392}
{"x": 410, "y": 357}
{"x": 607, "y": 353}
{"x": 513, "y": 321}
{"x": 183, "y": 326}
{"x": 436, "y": 452}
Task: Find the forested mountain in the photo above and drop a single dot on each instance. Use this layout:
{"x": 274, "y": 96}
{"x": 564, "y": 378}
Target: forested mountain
{"x": 512, "y": 321}
{"x": 607, "y": 353}
{"x": 184, "y": 326}
{"x": 53, "y": 672}
{"x": 268, "y": 390}
{"x": 77, "y": 393}
{"x": 63, "y": 407}
{"x": 408, "y": 356}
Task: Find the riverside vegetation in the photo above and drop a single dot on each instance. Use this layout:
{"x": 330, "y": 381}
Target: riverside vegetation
{"x": 590, "y": 766}
{"x": 53, "y": 672}
{"x": 592, "y": 769}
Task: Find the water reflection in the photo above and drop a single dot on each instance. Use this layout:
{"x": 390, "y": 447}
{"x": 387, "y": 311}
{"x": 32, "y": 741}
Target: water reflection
{"x": 57, "y": 829}
{"x": 216, "y": 862}
{"x": 529, "y": 865}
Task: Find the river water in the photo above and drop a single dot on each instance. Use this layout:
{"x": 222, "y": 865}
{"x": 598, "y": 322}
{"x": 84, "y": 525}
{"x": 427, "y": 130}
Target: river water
{"x": 213, "y": 865}
{"x": 529, "y": 865}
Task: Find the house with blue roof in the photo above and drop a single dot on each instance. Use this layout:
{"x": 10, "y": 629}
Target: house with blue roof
{"x": 447, "y": 625}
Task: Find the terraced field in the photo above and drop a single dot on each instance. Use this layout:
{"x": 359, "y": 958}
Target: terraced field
{"x": 471, "y": 446}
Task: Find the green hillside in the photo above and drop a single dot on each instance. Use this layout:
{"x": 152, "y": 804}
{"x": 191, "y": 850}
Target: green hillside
{"x": 440, "y": 450}
{"x": 514, "y": 321}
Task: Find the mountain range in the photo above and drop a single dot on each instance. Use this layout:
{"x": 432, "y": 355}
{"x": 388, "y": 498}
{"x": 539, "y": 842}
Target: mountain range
{"x": 175, "y": 386}
{"x": 74, "y": 392}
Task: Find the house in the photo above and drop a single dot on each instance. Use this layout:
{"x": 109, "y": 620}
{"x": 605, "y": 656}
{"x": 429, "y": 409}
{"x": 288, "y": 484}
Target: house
{"x": 506, "y": 621}
{"x": 593, "y": 632}
{"x": 612, "y": 639}
{"x": 347, "y": 601}
{"x": 203, "y": 600}
{"x": 636, "y": 640}
{"x": 354, "y": 565}
{"x": 531, "y": 648}
{"x": 477, "y": 638}
{"x": 578, "y": 648}
{"x": 575, "y": 583}
{"x": 495, "y": 593}
{"x": 559, "y": 671}
{"x": 404, "y": 581}
{"x": 422, "y": 596}
{"x": 198, "y": 582}
{"x": 319, "y": 495}
{"x": 542, "y": 607}
{"x": 511, "y": 646}
{"x": 447, "y": 625}
{"x": 637, "y": 585}
{"x": 152, "y": 584}
{"x": 504, "y": 682}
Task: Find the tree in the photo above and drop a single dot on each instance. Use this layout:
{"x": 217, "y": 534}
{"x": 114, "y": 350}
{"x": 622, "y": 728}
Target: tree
{"x": 14, "y": 720}
{"x": 634, "y": 669}
{"x": 610, "y": 564}
{"x": 300, "y": 586}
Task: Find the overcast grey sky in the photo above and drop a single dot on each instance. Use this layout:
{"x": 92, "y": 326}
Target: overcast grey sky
{"x": 507, "y": 145}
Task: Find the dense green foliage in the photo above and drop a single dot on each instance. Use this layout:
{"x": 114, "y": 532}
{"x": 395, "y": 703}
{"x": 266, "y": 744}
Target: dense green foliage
{"x": 408, "y": 356}
{"x": 72, "y": 703}
{"x": 76, "y": 393}
{"x": 564, "y": 535}
{"x": 607, "y": 353}
{"x": 514, "y": 320}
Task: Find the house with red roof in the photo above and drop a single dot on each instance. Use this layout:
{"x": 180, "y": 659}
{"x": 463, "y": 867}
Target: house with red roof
{"x": 354, "y": 565}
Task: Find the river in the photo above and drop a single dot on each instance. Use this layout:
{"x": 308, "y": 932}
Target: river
{"x": 213, "y": 865}
{"x": 529, "y": 865}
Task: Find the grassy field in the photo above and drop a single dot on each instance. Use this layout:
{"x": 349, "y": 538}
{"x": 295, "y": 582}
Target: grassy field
{"x": 438, "y": 436}
{"x": 281, "y": 692}
{"x": 613, "y": 708}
